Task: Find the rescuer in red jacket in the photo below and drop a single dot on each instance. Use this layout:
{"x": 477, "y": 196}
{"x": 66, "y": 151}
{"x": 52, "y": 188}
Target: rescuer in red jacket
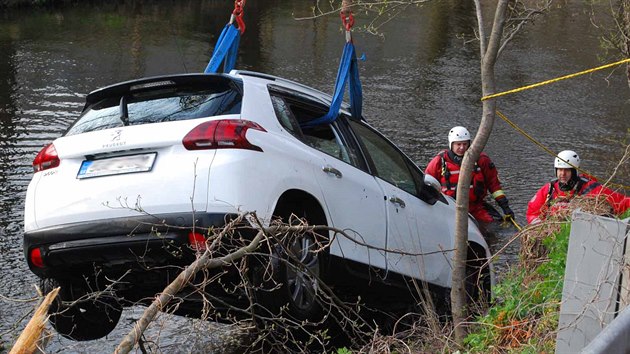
{"x": 445, "y": 168}
{"x": 558, "y": 193}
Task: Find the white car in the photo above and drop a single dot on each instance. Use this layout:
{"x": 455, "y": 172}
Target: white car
{"x": 117, "y": 204}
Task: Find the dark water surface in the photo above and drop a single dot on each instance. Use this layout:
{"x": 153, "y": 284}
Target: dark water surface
{"x": 418, "y": 81}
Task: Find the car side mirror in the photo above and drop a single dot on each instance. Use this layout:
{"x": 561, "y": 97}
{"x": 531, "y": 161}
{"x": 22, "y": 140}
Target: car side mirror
{"x": 432, "y": 190}
{"x": 432, "y": 182}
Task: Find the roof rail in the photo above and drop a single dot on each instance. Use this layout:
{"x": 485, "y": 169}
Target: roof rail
{"x": 277, "y": 79}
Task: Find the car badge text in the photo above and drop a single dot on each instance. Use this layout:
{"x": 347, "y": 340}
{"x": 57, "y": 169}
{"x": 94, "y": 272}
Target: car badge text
{"x": 115, "y": 140}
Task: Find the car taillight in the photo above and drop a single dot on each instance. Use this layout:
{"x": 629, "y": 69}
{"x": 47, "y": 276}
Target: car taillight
{"x": 197, "y": 241}
{"x": 221, "y": 134}
{"x": 36, "y": 258}
{"x": 46, "y": 158}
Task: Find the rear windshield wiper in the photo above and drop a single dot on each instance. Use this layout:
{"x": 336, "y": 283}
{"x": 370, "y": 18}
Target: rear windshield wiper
{"x": 124, "y": 113}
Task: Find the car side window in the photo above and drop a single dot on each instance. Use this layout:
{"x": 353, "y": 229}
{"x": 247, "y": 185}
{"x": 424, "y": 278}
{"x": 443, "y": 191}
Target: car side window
{"x": 388, "y": 163}
{"x": 285, "y": 117}
{"x": 293, "y": 113}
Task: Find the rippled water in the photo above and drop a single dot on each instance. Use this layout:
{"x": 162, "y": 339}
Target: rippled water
{"x": 418, "y": 81}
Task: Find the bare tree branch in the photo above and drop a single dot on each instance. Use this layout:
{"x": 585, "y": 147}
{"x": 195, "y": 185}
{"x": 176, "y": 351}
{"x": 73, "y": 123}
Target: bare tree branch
{"x": 203, "y": 262}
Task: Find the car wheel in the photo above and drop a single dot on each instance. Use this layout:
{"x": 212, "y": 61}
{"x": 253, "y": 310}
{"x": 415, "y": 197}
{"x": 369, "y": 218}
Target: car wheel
{"x": 287, "y": 280}
{"x": 302, "y": 274}
{"x": 81, "y": 318}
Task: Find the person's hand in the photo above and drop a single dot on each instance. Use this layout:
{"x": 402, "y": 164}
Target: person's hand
{"x": 504, "y": 204}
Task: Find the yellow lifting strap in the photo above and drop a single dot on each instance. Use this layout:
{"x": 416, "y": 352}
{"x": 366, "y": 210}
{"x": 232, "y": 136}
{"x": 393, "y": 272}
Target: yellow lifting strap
{"x": 555, "y": 80}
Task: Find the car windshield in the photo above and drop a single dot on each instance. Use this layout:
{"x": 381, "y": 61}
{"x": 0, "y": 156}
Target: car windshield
{"x": 157, "y": 106}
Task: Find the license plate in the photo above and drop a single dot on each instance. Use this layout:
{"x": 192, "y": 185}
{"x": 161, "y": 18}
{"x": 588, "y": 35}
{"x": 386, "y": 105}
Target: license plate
{"x": 116, "y": 165}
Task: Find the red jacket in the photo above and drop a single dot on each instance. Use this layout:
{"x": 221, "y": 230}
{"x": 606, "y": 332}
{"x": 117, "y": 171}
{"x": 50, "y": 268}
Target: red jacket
{"x": 484, "y": 177}
{"x": 546, "y": 202}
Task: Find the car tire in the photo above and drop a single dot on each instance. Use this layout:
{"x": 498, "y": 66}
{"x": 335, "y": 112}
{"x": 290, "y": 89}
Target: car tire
{"x": 81, "y": 318}
{"x": 287, "y": 279}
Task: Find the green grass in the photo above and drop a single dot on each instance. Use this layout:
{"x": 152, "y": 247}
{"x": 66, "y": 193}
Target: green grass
{"x": 524, "y": 316}
{"x": 525, "y": 312}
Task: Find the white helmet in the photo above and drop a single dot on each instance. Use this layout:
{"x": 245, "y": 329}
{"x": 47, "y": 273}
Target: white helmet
{"x": 567, "y": 159}
{"x": 458, "y": 134}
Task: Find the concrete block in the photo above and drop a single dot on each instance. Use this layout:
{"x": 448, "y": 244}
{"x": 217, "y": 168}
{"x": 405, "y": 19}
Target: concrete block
{"x": 591, "y": 285}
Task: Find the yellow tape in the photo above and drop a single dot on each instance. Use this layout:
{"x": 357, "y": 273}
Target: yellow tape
{"x": 524, "y": 133}
{"x": 555, "y": 80}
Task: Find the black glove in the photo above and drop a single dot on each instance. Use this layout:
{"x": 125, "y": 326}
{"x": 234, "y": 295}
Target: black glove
{"x": 503, "y": 203}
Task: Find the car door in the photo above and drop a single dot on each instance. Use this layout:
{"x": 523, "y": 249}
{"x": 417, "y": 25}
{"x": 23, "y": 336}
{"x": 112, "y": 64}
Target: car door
{"x": 392, "y": 173}
{"x": 418, "y": 228}
{"x": 436, "y": 231}
{"x": 353, "y": 198}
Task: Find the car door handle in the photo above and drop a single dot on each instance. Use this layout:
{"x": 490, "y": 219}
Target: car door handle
{"x": 332, "y": 170}
{"x": 398, "y": 201}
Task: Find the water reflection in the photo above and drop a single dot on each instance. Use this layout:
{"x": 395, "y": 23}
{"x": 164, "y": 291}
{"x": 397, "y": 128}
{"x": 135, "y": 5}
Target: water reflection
{"x": 419, "y": 81}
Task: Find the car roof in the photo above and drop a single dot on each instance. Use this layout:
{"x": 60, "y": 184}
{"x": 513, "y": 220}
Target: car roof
{"x": 292, "y": 85}
{"x": 283, "y": 82}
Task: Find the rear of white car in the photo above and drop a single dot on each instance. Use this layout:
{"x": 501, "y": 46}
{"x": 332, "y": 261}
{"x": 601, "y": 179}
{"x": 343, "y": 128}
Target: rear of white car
{"x": 145, "y": 172}
{"x": 139, "y": 160}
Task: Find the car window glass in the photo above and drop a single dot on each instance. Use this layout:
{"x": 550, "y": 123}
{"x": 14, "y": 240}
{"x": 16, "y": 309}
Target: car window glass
{"x": 390, "y": 165}
{"x": 326, "y": 139}
{"x": 285, "y": 117}
{"x": 162, "y": 106}
{"x": 294, "y": 112}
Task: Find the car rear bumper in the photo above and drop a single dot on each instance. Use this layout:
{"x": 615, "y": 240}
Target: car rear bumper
{"x": 142, "y": 242}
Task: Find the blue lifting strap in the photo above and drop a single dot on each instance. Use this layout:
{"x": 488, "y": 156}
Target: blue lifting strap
{"x": 348, "y": 69}
{"x": 226, "y": 48}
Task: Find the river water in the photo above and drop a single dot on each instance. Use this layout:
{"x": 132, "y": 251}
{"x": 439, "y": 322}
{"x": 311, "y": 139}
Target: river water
{"x": 420, "y": 78}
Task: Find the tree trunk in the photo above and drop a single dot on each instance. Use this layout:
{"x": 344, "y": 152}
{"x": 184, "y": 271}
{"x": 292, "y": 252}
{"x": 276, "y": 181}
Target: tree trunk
{"x": 489, "y": 55}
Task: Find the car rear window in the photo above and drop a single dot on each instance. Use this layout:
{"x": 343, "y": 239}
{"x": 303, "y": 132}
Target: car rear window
{"x": 155, "y": 106}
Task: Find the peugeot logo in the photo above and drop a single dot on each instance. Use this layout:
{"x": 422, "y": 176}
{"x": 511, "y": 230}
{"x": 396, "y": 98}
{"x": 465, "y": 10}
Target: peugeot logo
{"x": 115, "y": 140}
{"x": 116, "y": 135}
